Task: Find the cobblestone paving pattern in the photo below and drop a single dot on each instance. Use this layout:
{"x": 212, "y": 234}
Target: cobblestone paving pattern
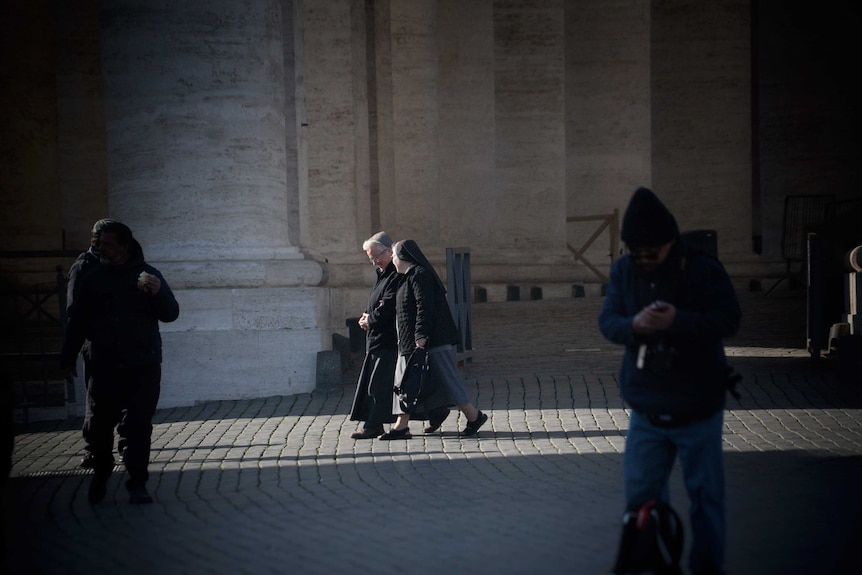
{"x": 276, "y": 485}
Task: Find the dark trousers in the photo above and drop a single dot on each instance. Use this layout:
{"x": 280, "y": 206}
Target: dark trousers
{"x": 85, "y": 429}
{"x": 111, "y": 391}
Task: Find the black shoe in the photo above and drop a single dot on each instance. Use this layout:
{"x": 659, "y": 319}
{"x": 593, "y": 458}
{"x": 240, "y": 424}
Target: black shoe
{"x": 88, "y": 461}
{"x": 98, "y": 488}
{"x": 367, "y": 433}
{"x": 436, "y": 421}
{"x": 138, "y": 495}
{"x": 473, "y": 426}
{"x": 396, "y": 434}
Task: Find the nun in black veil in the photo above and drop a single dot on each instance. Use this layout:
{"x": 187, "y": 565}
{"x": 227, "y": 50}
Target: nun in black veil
{"x": 423, "y": 320}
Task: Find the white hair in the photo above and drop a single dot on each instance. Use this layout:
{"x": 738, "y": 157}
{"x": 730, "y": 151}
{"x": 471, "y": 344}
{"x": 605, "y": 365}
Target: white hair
{"x": 381, "y": 239}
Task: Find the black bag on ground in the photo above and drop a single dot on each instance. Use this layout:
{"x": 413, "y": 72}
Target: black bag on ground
{"x": 415, "y": 384}
{"x": 651, "y": 541}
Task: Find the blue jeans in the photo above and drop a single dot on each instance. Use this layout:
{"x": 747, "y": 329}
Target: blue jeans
{"x": 648, "y": 461}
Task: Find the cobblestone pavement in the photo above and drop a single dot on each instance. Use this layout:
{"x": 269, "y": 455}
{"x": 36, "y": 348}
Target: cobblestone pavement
{"x": 276, "y": 485}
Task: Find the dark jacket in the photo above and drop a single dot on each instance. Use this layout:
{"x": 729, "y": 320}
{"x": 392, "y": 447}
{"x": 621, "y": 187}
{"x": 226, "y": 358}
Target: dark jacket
{"x": 120, "y": 321}
{"x": 693, "y": 385}
{"x": 423, "y": 312}
{"x": 381, "y": 311}
{"x": 84, "y": 265}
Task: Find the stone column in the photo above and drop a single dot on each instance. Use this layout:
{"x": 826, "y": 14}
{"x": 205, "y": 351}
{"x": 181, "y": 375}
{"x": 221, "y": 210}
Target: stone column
{"x": 82, "y": 170}
{"x": 28, "y": 156}
{"x": 335, "y": 207}
{"x": 195, "y": 121}
{"x": 467, "y": 185}
{"x": 415, "y": 127}
{"x": 701, "y": 106}
{"x": 608, "y": 128}
{"x": 530, "y": 187}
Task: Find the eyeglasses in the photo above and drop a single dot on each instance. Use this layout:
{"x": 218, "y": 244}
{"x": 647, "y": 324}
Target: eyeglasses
{"x": 375, "y": 258}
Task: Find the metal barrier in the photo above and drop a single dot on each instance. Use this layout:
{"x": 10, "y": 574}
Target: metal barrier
{"x": 802, "y": 214}
{"x": 458, "y": 294}
{"x": 610, "y": 222}
{"x": 35, "y": 325}
{"x": 814, "y": 297}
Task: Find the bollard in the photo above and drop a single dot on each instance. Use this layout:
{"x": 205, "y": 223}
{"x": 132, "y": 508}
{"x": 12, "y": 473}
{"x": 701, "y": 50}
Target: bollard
{"x": 328, "y": 374}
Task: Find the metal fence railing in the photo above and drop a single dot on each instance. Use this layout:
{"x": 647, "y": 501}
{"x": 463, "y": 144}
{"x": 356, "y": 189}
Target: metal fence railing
{"x": 34, "y": 319}
{"x": 459, "y": 295}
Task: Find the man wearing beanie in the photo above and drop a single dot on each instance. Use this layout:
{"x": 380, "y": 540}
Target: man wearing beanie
{"x": 671, "y": 306}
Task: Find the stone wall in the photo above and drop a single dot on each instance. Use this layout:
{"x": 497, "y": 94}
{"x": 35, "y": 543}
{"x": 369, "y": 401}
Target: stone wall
{"x": 253, "y": 146}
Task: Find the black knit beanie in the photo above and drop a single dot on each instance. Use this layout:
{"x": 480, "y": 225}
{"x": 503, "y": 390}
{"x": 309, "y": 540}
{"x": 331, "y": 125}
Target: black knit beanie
{"x": 647, "y": 222}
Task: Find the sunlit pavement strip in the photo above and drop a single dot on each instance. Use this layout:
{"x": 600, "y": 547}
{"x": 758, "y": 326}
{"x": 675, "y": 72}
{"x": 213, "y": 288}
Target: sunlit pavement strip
{"x": 773, "y": 352}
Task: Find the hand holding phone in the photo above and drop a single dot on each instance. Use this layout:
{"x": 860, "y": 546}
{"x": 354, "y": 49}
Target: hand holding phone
{"x": 655, "y": 317}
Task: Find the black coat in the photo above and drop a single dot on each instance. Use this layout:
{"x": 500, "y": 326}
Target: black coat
{"x": 381, "y": 311}
{"x": 86, "y": 263}
{"x": 120, "y": 321}
{"x": 423, "y": 312}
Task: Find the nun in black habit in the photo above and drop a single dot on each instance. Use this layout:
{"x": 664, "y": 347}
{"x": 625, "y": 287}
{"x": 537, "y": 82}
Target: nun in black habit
{"x": 423, "y": 320}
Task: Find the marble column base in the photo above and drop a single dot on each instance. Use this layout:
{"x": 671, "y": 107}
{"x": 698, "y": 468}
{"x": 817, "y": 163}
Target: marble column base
{"x": 210, "y": 267}
{"x": 242, "y": 343}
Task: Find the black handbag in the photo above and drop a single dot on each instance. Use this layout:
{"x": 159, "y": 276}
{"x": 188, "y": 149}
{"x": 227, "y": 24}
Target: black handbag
{"x": 415, "y": 384}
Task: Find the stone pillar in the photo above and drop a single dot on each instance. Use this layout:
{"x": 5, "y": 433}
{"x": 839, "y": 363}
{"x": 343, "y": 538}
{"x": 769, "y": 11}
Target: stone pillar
{"x": 608, "y": 128}
{"x": 332, "y": 104}
{"x": 415, "y": 126}
{"x": 195, "y": 122}
{"x": 434, "y": 122}
{"x": 335, "y": 208}
{"x": 530, "y": 162}
{"x": 82, "y": 169}
{"x": 467, "y": 186}
{"x": 470, "y": 95}
{"x": 28, "y": 156}
{"x": 701, "y": 106}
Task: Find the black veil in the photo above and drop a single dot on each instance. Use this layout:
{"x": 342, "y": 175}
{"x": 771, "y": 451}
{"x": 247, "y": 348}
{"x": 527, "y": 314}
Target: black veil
{"x": 408, "y": 250}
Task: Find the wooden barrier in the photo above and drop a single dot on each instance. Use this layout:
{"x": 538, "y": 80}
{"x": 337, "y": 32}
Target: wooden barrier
{"x": 610, "y": 222}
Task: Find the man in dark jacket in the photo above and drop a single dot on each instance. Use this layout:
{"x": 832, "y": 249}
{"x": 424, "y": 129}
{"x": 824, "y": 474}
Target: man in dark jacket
{"x": 671, "y": 306}
{"x": 372, "y": 402}
{"x": 84, "y": 265}
{"x": 118, "y": 308}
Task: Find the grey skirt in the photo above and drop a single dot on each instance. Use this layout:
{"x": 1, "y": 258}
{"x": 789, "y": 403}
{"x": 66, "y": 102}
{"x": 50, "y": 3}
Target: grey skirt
{"x": 443, "y": 370}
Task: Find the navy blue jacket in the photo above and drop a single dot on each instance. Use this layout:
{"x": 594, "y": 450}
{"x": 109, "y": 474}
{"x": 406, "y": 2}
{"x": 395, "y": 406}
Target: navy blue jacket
{"x": 694, "y": 385}
{"x": 120, "y": 321}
